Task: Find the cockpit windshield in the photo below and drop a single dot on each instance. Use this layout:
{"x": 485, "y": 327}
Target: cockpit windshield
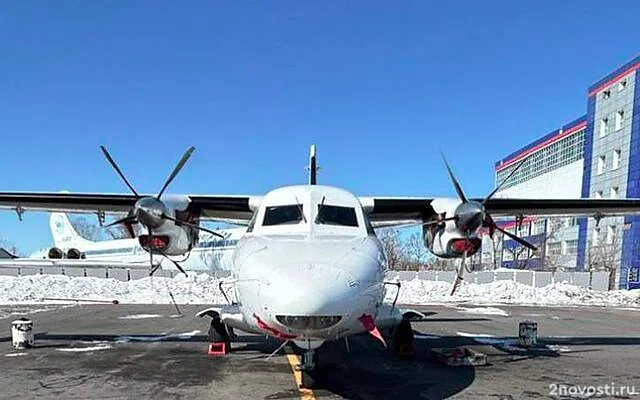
{"x": 336, "y": 215}
{"x": 283, "y": 215}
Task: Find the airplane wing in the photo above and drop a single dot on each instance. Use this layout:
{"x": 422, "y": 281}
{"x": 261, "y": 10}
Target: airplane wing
{"x": 233, "y": 209}
{"x": 389, "y": 211}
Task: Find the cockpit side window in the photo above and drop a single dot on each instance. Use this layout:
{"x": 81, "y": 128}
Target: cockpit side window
{"x": 336, "y": 215}
{"x": 282, "y": 215}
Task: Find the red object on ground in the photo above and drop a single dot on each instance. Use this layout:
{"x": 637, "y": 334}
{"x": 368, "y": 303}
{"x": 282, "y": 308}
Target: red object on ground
{"x": 218, "y": 349}
{"x": 367, "y": 321}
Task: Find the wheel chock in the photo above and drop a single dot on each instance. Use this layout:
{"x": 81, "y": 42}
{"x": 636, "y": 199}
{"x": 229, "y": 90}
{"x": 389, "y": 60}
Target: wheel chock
{"x": 218, "y": 349}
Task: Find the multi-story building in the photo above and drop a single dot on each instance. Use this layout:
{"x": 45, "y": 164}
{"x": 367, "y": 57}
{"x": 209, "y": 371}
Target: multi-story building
{"x": 595, "y": 156}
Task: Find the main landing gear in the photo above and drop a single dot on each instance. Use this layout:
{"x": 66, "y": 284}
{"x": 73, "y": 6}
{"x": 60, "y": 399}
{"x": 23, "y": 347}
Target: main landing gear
{"x": 403, "y": 340}
{"x": 219, "y": 334}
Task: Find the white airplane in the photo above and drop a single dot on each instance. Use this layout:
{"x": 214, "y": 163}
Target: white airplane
{"x": 209, "y": 253}
{"x": 310, "y": 268}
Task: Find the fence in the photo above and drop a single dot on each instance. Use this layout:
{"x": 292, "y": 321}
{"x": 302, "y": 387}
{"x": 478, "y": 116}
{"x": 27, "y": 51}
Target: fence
{"x": 119, "y": 273}
{"x": 591, "y": 280}
{"x": 598, "y": 280}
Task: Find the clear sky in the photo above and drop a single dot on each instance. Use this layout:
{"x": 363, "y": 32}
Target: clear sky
{"x": 379, "y": 86}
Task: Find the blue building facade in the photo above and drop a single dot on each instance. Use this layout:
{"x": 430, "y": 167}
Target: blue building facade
{"x": 595, "y": 156}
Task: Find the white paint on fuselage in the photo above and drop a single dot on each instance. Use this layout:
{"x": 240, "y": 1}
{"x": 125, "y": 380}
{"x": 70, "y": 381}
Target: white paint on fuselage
{"x": 308, "y": 268}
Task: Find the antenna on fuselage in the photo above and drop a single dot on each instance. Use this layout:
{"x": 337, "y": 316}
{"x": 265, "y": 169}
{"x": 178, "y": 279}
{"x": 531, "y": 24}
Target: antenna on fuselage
{"x": 313, "y": 166}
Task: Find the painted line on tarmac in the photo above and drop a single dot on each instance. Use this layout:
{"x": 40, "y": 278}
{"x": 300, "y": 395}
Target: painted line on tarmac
{"x": 305, "y": 394}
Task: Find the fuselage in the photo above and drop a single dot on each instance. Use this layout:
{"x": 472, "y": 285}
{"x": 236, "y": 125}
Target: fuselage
{"x": 309, "y": 265}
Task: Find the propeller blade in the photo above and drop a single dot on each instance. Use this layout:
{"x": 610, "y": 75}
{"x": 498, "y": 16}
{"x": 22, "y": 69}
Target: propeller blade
{"x": 504, "y": 181}
{"x": 165, "y": 216}
{"x": 176, "y": 170}
{"x": 126, "y": 220}
{"x": 459, "y": 275}
{"x": 115, "y": 166}
{"x": 130, "y": 231}
{"x": 174, "y": 263}
{"x": 516, "y": 238}
{"x": 461, "y": 195}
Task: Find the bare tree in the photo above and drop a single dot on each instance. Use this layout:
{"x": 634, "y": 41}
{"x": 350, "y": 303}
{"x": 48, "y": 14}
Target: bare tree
{"x": 606, "y": 256}
{"x": 394, "y": 251}
{"x": 416, "y": 251}
{"x": 496, "y": 246}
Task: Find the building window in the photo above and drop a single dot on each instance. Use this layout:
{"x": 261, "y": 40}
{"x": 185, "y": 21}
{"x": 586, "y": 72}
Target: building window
{"x": 604, "y": 122}
{"x": 615, "y": 163}
{"x": 622, "y": 85}
{"x": 563, "y": 152}
{"x": 598, "y": 194}
{"x": 595, "y": 238}
{"x": 554, "y": 249}
{"x": 611, "y": 233}
{"x": 614, "y": 192}
{"x": 539, "y": 226}
{"x": 619, "y": 119}
{"x": 572, "y": 247}
{"x": 606, "y": 94}
{"x": 601, "y": 164}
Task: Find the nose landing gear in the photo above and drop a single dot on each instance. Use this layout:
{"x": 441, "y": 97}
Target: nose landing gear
{"x": 309, "y": 369}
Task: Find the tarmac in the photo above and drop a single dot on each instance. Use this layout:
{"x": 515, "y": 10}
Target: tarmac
{"x": 148, "y": 352}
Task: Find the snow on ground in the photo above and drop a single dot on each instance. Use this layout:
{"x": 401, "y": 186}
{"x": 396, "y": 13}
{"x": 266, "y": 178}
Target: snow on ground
{"x": 84, "y": 349}
{"x": 203, "y": 289}
{"x": 484, "y": 311}
{"x": 140, "y": 316}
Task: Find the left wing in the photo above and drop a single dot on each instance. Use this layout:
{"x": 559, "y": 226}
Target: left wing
{"x": 389, "y": 211}
{"x": 234, "y": 209}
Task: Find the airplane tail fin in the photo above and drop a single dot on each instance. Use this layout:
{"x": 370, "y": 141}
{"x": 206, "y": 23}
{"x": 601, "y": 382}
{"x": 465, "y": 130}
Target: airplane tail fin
{"x": 63, "y": 232}
{"x": 313, "y": 166}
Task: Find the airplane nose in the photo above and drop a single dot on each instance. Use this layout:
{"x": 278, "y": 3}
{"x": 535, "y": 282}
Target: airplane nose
{"x": 309, "y": 289}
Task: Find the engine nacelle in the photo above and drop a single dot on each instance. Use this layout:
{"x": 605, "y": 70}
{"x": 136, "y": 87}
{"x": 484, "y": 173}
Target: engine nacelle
{"x": 445, "y": 239}
{"x": 449, "y": 244}
{"x": 171, "y": 238}
{"x": 74, "y": 254}
{"x": 55, "y": 252}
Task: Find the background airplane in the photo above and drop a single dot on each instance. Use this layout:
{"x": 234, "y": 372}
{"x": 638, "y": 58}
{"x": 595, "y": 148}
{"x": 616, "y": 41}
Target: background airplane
{"x": 209, "y": 253}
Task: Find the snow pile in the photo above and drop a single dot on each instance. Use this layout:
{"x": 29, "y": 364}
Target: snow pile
{"x": 203, "y": 289}
{"x": 418, "y": 291}
{"x": 195, "y": 289}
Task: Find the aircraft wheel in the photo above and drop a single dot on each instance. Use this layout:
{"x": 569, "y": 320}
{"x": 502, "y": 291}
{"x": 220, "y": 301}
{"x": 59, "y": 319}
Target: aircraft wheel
{"x": 218, "y": 332}
{"x": 403, "y": 339}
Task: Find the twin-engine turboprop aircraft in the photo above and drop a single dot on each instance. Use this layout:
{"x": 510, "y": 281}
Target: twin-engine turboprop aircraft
{"x": 310, "y": 267}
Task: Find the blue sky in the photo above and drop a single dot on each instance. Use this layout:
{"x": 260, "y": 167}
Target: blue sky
{"x": 380, "y": 87}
